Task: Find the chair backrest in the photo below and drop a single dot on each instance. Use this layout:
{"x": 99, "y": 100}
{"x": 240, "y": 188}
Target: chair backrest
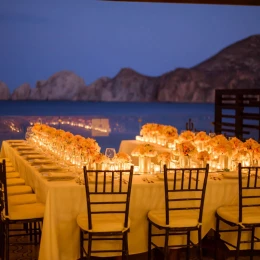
{"x": 3, "y": 188}
{"x": 249, "y": 188}
{"x": 108, "y": 192}
{"x": 185, "y": 189}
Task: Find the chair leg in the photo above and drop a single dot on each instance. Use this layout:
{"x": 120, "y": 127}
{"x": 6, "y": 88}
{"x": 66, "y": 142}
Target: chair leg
{"x": 125, "y": 246}
{"x": 238, "y": 242}
{"x": 2, "y": 238}
{"x": 216, "y": 238}
{"x": 30, "y": 230}
{"x": 252, "y": 243}
{"x": 89, "y": 246}
{"x": 199, "y": 244}
{"x": 81, "y": 244}
{"x": 7, "y": 241}
{"x": 166, "y": 247}
{"x": 149, "y": 240}
{"x": 188, "y": 246}
{"x": 35, "y": 233}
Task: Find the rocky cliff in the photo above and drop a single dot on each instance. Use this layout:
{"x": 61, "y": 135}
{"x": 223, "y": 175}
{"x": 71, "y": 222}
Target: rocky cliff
{"x": 4, "y": 91}
{"x": 237, "y": 66}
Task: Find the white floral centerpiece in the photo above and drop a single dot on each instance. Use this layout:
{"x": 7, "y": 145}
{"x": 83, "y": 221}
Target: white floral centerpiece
{"x": 203, "y": 157}
{"x": 167, "y": 134}
{"x": 187, "y": 150}
{"x": 187, "y": 136}
{"x": 200, "y": 140}
{"x": 145, "y": 152}
{"x": 250, "y": 146}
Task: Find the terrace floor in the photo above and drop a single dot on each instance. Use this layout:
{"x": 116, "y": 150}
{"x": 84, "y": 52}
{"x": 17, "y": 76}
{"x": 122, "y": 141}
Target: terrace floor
{"x": 29, "y": 252}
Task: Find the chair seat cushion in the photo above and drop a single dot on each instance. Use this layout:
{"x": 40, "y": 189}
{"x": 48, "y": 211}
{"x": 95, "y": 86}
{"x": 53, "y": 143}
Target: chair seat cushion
{"x": 4, "y": 158}
{"x": 251, "y": 215}
{"x": 10, "y": 175}
{"x": 177, "y": 218}
{"x": 15, "y": 181}
{"x": 103, "y": 223}
{"x": 22, "y": 199}
{"x": 10, "y": 169}
{"x": 21, "y": 189}
{"x": 26, "y": 211}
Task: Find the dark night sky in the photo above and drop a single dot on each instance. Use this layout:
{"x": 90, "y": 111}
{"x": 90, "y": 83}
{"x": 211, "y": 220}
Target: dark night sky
{"x": 94, "y": 38}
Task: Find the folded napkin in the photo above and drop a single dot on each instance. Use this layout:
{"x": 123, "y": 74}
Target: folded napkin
{"x": 28, "y": 152}
{"x": 18, "y": 145}
{"x": 15, "y": 141}
{"x": 24, "y": 148}
{"x": 51, "y": 176}
{"x": 35, "y": 156}
{"x": 49, "y": 168}
{"x": 42, "y": 161}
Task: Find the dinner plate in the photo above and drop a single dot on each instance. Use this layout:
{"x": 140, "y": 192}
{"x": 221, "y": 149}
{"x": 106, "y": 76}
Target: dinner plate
{"x": 170, "y": 176}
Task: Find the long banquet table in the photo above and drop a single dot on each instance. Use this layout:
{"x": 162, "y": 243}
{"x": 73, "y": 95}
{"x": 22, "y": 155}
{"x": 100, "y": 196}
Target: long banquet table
{"x": 64, "y": 200}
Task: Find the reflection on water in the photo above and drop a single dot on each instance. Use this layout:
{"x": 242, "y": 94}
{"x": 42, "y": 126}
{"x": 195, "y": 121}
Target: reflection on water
{"x": 107, "y": 131}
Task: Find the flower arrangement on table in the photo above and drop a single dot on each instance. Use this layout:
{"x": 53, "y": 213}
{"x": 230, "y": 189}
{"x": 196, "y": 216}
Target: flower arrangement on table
{"x": 235, "y": 143}
{"x": 250, "y": 145}
{"x": 169, "y": 133}
{"x": 100, "y": 158}
{"x": 223, "y": 148}
{"x": 203, "y": 156}
{"x": 187, "y": 136}
{"x": 147, "y": 150}
{"x": 201, "y": 137}
{"x": 187, "y": 149}
{"x": 66, "y": 140}
{"x": 165, "y": 157}
{"x": 216, "y": 140}
{"x": 150, "y": 129}
{"x": 122, "y": 157}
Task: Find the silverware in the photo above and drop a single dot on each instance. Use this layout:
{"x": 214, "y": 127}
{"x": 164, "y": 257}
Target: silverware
{"x": 147, "y": 180}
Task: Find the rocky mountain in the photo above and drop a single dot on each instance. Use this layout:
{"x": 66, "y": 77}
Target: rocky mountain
{"x": 63, "y": 85}
{"x": 4, "y": 91}
{"x": 127, "y": 85}
{"x": 22, "y": 93}
{"x": 237, "y": 66}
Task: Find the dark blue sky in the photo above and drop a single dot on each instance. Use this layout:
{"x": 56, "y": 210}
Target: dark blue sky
{"x": 94, "y": 38}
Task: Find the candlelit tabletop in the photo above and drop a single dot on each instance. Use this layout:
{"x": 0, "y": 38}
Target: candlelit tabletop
{"x": 64, "y": 200}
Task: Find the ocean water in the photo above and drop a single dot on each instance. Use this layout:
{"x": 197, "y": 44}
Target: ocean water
{"x": 107, "y": 122}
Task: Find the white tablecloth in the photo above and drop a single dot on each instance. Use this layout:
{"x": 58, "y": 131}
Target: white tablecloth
{"x": 64, "y": 200}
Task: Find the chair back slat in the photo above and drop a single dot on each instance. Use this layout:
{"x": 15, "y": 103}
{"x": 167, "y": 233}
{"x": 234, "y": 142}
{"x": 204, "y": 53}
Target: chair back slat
{"x": 3, "y": 188}
{"x": 249, "y": 188}
{"x": 108, "y": 192}
{"x": 185, "y": 189}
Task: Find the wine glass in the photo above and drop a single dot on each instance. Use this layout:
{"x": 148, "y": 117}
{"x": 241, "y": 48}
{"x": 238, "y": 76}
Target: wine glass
{"x": 110, "y": 153}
